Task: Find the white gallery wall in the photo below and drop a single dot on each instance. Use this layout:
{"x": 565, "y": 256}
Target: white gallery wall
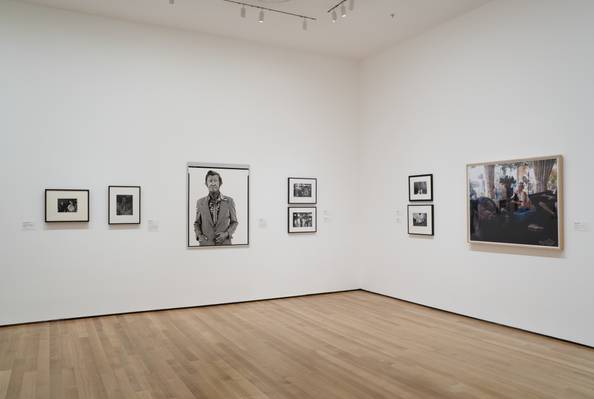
{"x": 511, "y": 79}
{"x": 88, "y": 102}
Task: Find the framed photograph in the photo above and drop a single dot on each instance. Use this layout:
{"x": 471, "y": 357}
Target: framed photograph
{"x": 420, "y": 220}
{"x": 303, "y": 190}
{"x": 303, "y": 220}
{"x": 66, "y": 205}
{"x": 218, "y": 205}
{"x": 420, "y": 188}
{"x": 517, "y": 202}
{"x": 123, "y": 204}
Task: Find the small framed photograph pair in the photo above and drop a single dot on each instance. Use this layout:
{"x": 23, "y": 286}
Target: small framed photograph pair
{"x": 66, "y": 205}
{"x": 302, "y": 190}
{"x": 123, "y": 204}
{"x": 420, "y": 217}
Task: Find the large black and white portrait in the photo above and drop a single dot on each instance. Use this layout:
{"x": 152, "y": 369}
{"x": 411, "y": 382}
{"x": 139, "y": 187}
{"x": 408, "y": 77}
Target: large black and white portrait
{"x": 218, "y": 205}
{"x": 420, "y": 220}
{"x": 303, "y": 190}
{"x": 420, "y": 188}
{"x": 302, "y": 220}
{"x": 123, "y": 205}
{"x": 66, "y": 205}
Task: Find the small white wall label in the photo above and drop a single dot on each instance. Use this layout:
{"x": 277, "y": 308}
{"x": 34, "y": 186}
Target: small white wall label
{"x": 581, "y": 226}
{"x": 153, "y": 226}
{"x": 28, "y": 226}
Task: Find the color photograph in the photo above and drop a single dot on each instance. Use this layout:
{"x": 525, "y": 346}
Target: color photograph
{"x": 516, "y": 202}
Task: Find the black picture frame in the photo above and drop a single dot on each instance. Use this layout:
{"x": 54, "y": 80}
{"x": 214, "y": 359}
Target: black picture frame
{"x": 411, "y": 195}
{"x": 315, "y": 227}
{"x": 314, "y": 200}
{"x": 109, "y": 218}
{"x": 86, "y": 214}
{"x": 432, "y": 225}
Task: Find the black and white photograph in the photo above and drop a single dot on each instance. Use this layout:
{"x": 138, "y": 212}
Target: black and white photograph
{"x": 420, "y": 220}
{"x": 123, "y": 205}
{"x": 420, "y": 188}
{"x": 303, "y": 190}
{"x": 302, "y": 220}
{"x": 66, "y": 205}
{"x": 218, "y": 205}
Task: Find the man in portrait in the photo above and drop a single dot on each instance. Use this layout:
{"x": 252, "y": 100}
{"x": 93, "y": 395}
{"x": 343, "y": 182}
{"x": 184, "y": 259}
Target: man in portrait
{"x": 216, "y": 218}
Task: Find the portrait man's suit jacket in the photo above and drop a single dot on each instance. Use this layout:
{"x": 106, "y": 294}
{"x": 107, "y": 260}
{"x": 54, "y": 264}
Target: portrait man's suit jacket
{"x": 226, "y": 221}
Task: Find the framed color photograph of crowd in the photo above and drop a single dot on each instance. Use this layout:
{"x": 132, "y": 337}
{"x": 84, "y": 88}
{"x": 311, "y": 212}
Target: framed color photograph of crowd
{"x": 517, "y": 202}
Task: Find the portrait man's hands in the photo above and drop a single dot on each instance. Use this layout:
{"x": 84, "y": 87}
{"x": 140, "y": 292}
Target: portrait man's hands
{"x": 221, "y": 237}
{"x": 202, "y": 237}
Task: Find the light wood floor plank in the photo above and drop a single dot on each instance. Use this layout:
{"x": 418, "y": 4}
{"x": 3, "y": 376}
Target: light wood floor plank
{"x": 334, "y": 346}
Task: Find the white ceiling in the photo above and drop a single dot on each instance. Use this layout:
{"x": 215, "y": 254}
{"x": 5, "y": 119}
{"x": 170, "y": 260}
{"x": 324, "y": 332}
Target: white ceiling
{"x": 367, "y": 29}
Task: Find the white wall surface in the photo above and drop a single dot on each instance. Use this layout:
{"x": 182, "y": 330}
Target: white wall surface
{"x": 87, "y": 102}
{"x": 511, "y": 79}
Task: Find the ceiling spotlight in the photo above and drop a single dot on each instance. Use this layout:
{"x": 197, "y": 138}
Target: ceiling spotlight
{"x": 304, "y": 26}
{"x": 343, "y": 11}
{"x": 351, "y": 5}
{"x": 333, "y": 15}
{"x": 242, "y": 12}
{"x": 261, "y": 18}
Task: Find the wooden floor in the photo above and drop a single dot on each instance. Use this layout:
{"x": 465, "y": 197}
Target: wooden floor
{"x": 345, "y": 345}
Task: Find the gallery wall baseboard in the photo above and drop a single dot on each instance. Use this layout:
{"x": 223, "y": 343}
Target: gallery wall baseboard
{"x": 303, "y": 296}
{"x": 478, "y": 319}
{"x": 181, "y": 307}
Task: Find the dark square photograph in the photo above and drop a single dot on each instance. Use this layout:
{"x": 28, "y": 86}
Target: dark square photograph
{"x": 420, "y": 219}
{"x": 124, "y": 205}
{"x": 420, "y": 187}
{"x": 67, "y": 205}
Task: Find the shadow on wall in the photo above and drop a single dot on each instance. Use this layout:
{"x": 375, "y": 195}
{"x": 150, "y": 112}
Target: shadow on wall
{"x": 66, "y": 226}
{"x": 421, "y": 237}
{"x": 124, "y": 226}
{"x": 504, "y": 249}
